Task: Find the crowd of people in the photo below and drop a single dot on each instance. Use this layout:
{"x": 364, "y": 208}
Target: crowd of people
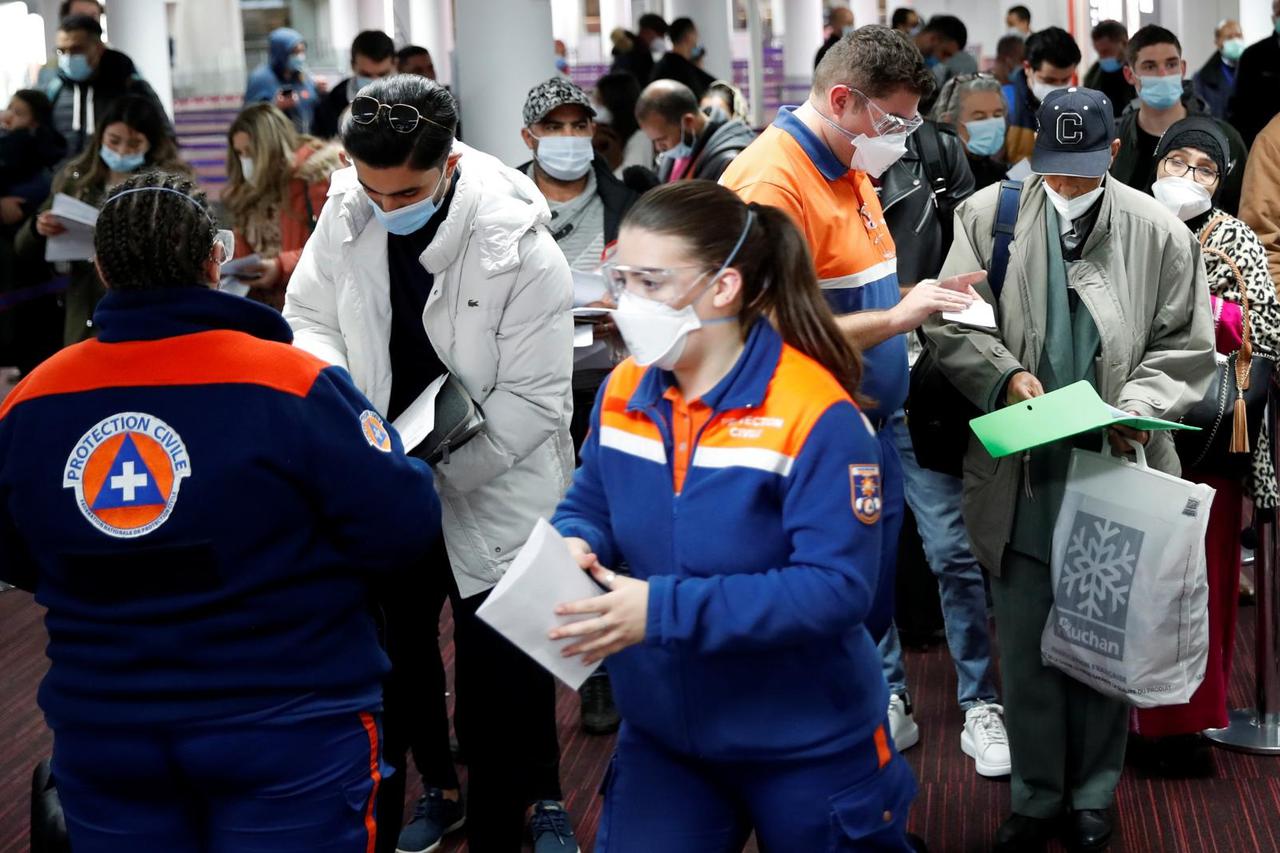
{"x": 730, "y": 454}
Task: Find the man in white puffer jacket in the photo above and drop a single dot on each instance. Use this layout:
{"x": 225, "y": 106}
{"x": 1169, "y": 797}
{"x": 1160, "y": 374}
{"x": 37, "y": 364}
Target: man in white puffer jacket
{"x": 430, "y": 257}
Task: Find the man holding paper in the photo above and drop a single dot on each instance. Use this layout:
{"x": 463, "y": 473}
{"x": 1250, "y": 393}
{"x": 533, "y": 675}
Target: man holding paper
{"x": 434, "y": 258}
{"x": 817, "y": 162}
{"x": 1105, "y": 287}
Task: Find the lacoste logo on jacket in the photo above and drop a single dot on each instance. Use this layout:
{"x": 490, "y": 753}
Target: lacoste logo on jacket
{"x": 472, "y": 303}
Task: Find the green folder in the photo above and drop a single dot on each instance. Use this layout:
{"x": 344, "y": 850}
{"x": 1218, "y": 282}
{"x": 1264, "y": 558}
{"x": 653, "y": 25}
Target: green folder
{"x": 1057, "y": 415}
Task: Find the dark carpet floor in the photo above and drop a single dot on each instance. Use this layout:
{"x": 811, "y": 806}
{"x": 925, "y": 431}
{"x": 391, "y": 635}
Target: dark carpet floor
{"x": 956, "y": 812}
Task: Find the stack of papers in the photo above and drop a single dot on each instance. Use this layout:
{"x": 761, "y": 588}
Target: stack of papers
{"x": 232, "y": 270}
{"x": 76, "y": 243}
{"x": 1059, "y": 414}
{"x": 522, "y": 606}
{"x": 588, "y": 287}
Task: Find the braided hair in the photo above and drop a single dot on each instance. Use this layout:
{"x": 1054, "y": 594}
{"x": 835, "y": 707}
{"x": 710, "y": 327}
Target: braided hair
{"x": 155, "y": 231}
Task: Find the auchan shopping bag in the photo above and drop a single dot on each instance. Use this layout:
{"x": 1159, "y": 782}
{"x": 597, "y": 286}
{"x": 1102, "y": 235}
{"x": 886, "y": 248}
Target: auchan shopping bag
{"x": 1130, "y": 589}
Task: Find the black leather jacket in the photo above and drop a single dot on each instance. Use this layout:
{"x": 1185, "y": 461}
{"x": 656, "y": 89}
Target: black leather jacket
{"x": 919, "y": 222}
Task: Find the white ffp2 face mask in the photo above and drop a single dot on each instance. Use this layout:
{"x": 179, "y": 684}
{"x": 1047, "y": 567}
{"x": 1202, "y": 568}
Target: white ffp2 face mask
{"x": 1043, "y": 90}
{"x": 872, "y": 154}
{"x": 1184, "y": 197}
{"x": 246, "y": 168}
{"x": 1073, "y": 208}
{"x": 654, "y": 332}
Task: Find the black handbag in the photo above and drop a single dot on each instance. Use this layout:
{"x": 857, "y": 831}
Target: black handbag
{"x": 48, "y": 824}
{"x": 1230, "y": 415}
{"x": 458, "y": 419}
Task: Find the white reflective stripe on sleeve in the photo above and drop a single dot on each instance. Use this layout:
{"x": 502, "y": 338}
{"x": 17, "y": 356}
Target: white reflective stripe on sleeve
{"x": 859, "y": 279}
{"x": 633, "y": 445}
{"x": 743, "y": 457}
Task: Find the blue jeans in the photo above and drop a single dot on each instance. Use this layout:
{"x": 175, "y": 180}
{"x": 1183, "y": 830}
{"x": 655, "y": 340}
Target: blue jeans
{"x": 934, "y": 499}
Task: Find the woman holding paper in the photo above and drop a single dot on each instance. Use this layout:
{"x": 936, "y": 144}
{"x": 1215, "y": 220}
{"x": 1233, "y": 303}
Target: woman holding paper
{"x": 729, "y": 467}
{"x": 277, "y": 182}
{"x": 1192, "y": 160}
{"x": 131, "y": 137}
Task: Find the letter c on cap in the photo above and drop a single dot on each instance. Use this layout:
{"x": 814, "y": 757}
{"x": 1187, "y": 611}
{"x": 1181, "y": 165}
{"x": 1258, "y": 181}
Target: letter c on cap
{"x": 1070, "y": 129}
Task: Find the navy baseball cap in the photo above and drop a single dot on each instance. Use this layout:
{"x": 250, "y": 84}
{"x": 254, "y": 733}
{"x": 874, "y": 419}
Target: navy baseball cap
{"x": 1077, "y": 126}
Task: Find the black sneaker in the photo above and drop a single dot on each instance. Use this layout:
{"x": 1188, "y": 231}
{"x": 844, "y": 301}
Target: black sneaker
{"x": 599, "y": 716}
{"x": 549, "y": 825}
{"x": 434, "y": 817}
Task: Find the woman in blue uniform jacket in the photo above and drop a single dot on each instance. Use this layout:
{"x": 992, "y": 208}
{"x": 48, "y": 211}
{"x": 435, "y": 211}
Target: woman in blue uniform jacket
{"x": 215, "y": 676}
{"x": 730, "y": 469}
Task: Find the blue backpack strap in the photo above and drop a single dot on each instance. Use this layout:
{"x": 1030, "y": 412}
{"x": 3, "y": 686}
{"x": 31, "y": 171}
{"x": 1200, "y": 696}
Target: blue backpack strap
{"x": 1002, "y": 231}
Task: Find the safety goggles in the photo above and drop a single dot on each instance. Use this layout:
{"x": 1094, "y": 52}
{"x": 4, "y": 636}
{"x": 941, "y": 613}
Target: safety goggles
{"x": 886, "y": 123}
{"x": 403, "y": 118}
{"x": 659, "y": 284}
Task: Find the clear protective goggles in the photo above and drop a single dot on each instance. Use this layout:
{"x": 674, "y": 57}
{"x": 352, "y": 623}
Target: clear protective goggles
{"x": 886, "y": 123}
{"x": 657, "y": 284}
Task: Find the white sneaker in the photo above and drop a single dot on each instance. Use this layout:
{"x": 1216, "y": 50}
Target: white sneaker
{"x": 902, "y": 727}
{"x": 984, "y": 739}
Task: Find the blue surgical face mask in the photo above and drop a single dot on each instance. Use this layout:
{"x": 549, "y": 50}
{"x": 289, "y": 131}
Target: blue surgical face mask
{"x": 1110, "y": 64}
{"x": 699, "y": 51}
{"x": 932, "y": 61}
{"x": 409, "y": 218}
{"x": 121, "y": 163}
{"x": 1161, "y": 92}
{"x": 298, "y": 62}
{"x": 848, "y": 30}
{"x": 679, "y": 152}
{"x": 565, "y": 158}
{"x": 361, "y": 82}
{"x": 986, "y": 136}
{"x": 75, "y": 66}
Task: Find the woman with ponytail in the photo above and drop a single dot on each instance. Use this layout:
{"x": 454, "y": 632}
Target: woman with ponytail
{"x": 730, "y": 470}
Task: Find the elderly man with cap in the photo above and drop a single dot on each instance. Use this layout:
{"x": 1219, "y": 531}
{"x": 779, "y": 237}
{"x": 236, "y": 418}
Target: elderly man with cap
{"x": 1103, "y": 285}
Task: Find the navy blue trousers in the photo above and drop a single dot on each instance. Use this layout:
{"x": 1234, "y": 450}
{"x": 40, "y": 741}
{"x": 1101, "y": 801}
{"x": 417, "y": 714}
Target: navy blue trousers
{"x": 655, "y": 799}
{"x": 300, "y": 787}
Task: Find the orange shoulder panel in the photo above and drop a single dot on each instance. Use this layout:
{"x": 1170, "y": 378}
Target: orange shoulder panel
{"x": 219, "y": 357}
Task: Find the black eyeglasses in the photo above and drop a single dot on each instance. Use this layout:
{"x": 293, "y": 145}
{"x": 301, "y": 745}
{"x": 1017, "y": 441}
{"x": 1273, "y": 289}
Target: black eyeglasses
{"x": 1179, "y": 168}
{"x": 403, "y": 118}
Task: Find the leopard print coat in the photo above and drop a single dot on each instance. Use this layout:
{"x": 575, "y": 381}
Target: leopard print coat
{"x": 1228, "y": 235}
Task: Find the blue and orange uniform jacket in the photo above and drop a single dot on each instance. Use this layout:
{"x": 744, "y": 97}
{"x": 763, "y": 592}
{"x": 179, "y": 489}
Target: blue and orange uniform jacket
{"x": 753, "y": 513}
{"x": 839, "y": 214}
{"x": 200, "y": 506}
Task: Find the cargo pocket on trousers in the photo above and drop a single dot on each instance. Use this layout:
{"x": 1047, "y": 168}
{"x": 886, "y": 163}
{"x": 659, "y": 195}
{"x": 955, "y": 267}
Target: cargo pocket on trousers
{"x": 872, "y": 815}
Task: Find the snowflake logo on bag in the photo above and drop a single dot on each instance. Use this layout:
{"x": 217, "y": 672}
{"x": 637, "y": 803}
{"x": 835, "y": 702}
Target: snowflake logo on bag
{"x": 1092, "y": 598}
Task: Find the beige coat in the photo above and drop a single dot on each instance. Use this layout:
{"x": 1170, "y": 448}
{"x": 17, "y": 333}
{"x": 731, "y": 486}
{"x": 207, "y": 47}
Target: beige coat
{"x": 1142, "y": 280}
{"x": 1260, "y": 198}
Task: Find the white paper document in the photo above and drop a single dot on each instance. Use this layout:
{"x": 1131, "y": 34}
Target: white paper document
{"x": 70, "y": 209}
{"x": 239, "y": 266}
{"x": 522, "y": 606}
{"x": 74, "y": 244}
{"x": 583, "y": 336}
{"x": 979, "y": 314}
{"x": 1019, "y": 171}
{"x": 588, "y": 287}
{"x": 416, "y": 422}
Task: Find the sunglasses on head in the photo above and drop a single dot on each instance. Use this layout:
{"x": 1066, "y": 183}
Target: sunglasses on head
{"x": 403, "y": 118}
